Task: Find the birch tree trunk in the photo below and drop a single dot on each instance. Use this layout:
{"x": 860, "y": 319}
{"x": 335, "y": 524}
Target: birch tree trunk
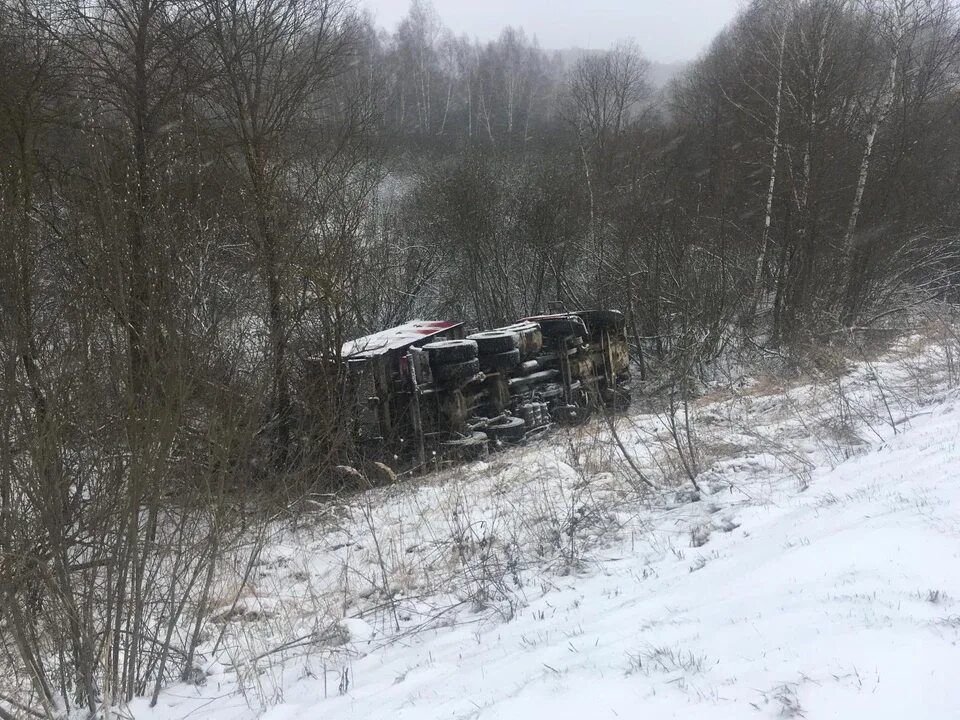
{"x": 446, "y": 107}
{"x": 797, "y": 277}
{"x": 771, "y": 188}
{"x": 883, "y": 108}
{"x": 851, "y": 276}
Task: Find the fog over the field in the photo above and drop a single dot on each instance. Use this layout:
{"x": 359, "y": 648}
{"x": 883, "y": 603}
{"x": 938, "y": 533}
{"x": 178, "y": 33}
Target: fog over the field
{"x": 667, "y": 31}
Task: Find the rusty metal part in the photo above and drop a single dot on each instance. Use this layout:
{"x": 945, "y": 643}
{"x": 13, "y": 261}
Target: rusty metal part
{"x": 454, "y": 409}
{"x": 498, "y": 393}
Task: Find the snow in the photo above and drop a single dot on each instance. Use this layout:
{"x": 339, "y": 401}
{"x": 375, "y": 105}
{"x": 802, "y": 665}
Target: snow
{"x": 814, "y": 575}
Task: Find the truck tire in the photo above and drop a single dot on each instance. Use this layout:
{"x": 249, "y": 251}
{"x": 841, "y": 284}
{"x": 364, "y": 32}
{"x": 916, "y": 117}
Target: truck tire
{"x": 444, "y": 352}
{"x": 506, "y": 428}
{"x": 471, "y": 446}
{"x": 495, "y": 341}
{"x": 563, "y": 327}
{"x": 501, "y": 361}
{"x": 530, "y": 336}
{"x": 469, "y": 439}
{"x": 456, "y": 372}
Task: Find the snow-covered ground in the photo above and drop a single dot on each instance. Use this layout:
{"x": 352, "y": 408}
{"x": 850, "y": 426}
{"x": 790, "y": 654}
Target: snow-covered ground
{"x": 816, "y": 574}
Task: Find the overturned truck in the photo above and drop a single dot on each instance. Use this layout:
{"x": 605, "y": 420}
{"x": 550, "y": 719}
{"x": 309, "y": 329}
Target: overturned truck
{"x": 426, "y": 387}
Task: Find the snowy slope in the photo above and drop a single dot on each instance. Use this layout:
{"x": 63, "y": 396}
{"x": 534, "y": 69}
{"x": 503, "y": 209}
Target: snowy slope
{"x": 831, "y": 591}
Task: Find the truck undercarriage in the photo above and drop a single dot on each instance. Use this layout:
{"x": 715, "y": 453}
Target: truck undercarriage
{"x": 426, "y": 388}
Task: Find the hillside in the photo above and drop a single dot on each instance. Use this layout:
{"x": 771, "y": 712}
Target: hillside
{"x": 812, "y": 576}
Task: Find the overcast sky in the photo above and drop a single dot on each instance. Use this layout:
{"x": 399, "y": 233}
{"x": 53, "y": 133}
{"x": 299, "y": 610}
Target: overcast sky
{"x": 666, "y": 30}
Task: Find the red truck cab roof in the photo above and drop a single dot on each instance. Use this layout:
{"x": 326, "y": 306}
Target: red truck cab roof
{"x": 395, "y": 338}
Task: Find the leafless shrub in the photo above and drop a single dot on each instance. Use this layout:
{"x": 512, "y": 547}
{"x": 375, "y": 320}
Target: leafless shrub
{"x": 665, "y": 660}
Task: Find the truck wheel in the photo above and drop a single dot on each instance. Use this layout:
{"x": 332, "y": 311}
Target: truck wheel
{"x": 506, "y": 428}
{"x": 561, "y": 327}
{"x": 471, "y": 446}
{"x": 495, "y": 341}
{"x": 456, "y": 372}
{"x": 501, "y": 361}
{"x": 444, "y": 352}
{"x": 531, "y": 339}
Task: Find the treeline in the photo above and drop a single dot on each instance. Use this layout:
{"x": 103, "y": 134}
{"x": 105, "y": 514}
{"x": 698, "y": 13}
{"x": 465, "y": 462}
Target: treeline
{"x": 797, "y": 179}
{"x": 199, "y": 198}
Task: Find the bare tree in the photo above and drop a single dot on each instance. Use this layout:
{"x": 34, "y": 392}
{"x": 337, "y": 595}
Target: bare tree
{"x": 274, "y": 62}
{"x": 775, "y": 143}
{"x": 605, "y": 92}
{"x": 133, "y": 65}
{"x": 913, "y": 43}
